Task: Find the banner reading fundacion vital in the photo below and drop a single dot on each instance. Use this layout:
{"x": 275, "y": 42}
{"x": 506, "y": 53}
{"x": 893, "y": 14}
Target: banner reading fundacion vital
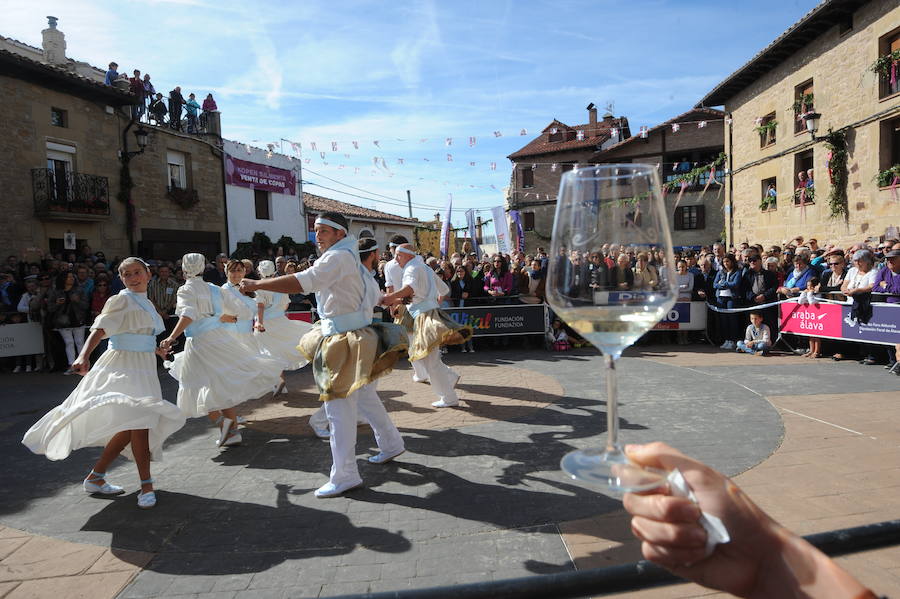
{"x": 259, "y": 176}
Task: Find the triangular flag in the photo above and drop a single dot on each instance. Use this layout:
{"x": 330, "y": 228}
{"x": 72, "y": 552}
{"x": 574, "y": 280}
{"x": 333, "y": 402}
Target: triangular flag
{"x": 399, "y": 161}
{"x": 493, "y": 166}
{"x": 523, "y": 132}
{"x": 334, "y": 146}
{"x": 449, "y": 157}
{"x": 675, "y": 127}
{"x": 534, "y": 167}
{"x": 355, "y": 145}
{"x": 701, "y": 124}
{"x": 471, "y": 142}
{"x": 322, "y": 154}
{"x": 376, "y": 143}
{"x": 579, "y": 135}
{"x": 471, "y": 164}
{"x": 497, "y": 134}
{"x": 312, "y": 146}
{"x": 448, "y": 142}
{"x": 553, "y": 167}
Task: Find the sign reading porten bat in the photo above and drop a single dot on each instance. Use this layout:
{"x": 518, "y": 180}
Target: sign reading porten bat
{"x": 259, "y": 176}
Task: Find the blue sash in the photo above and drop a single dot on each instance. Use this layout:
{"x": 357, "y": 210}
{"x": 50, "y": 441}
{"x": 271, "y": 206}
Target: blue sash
{"x": 241, "y": 326}
{"x": 132, "y": 342}
{"x": 210, "y": 322}
{"x": 362, "y": 317}
{"x": 248, "y": 301}
{"x": 147, "y": 306}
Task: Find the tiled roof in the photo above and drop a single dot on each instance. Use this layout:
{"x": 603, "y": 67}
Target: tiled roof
{"x": 594, "y": 135}
{"x": 318, "y": 204}
{"x": 22, "y": 67}
{"x": 709, "y": 113}
{"x": 813, "y": 24}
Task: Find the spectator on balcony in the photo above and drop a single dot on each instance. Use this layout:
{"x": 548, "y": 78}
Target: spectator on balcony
{"x": 192, "y": 107}
{"x": 158, "y": 110}
{"x": 67, "y": 309}
{"x": 209, "y": 105}
{"x": 111, "y": 74}
{"x": 176, "y": 101}
{"x": 149, "y": 90}
{"x": 136, "y": 86}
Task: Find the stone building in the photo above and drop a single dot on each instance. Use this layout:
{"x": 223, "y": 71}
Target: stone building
{"x": 66, "y": 141}
{"x": 538, "y": 166}
{"x": 364, "y": 222}
{"x": 687, "y": 142}
{"x": 817, "y": 74}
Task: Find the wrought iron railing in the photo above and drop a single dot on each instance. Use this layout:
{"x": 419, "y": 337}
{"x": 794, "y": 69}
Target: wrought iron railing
{"x": 57, "y": 193}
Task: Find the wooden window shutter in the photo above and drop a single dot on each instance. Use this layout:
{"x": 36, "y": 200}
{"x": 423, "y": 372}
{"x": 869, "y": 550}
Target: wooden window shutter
{"x": 701, "y": 217}
{"x": 528, "y": 225}
{"x": 679, "y": 219}
{"x": 895, "y": 43}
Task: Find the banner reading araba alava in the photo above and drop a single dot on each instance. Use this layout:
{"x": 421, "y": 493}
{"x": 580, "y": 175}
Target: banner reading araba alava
{"x": 259, "y": 176}
{"x": 501, "y": 228}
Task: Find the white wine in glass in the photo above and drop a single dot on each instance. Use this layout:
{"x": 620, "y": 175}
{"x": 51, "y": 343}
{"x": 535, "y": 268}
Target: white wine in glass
{"x": 607, "y": 218}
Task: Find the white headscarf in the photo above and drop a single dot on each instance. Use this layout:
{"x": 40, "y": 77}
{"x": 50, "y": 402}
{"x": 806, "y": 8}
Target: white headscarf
{"x": 193, "y": 264}
{"x": 266, "y": 268}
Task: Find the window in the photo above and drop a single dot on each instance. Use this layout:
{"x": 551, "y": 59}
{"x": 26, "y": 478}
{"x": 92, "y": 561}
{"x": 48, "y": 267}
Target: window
{"x": 803, "y": 192}
{"x": 886, "y": 45}
{"x": 528, "y": 221}
{"x": 59, "y": 117}
{"x": 769, "y": 195}
{"x": 177, "y": 169}
{"x": 888, "y": 151}
{"x": 690, "y": 217}
{"x": 803, "y": 103}
{"x": 61, "y": 167}
{"x": 767, "y": 130}
{"x": 527, "y": 177}
{"x": 261, "y": 199}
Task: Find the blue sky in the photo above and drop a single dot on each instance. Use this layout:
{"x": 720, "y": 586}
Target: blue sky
{"x": 400, "y": 73}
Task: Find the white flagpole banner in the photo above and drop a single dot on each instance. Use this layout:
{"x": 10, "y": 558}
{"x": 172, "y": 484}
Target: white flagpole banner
{"x": 445, "y": 227}
{"x": 501, "y": 227}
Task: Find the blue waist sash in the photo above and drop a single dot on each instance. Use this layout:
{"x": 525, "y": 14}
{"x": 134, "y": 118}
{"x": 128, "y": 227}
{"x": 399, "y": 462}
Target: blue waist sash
{"x": 272, "y": 312}
{"x": 132, "y": 342}
{"x": 241, "y": 326}
{"x": 421, "y": 307}
{"x": 203, "y": 325}
{"x": 344, "y": 323}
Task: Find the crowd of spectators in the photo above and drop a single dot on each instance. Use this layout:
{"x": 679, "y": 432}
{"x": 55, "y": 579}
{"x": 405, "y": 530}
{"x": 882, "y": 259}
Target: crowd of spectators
{"x": 153, "y": 109}
{"x": 65, "y": 292}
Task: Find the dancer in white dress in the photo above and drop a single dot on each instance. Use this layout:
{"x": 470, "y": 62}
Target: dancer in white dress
{"x": 421, "y": 286}
{"x": 276, "y": 334}
{"x": 393, "y": 281}
{"x": 215, "y": 373}
{"x": 347, "y": 350}
{"x": 118, "y": 404}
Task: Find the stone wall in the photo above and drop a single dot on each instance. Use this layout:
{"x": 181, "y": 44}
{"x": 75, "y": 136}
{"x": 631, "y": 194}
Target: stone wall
{"x": 845, "y": 93}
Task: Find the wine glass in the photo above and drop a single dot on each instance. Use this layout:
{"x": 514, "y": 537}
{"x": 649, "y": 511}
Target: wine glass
{"x": 613, "y": 210}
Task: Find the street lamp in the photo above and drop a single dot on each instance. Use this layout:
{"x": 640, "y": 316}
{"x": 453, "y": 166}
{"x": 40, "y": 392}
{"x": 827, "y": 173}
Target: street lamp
{"x": 142, "y": 137}
{"x": 811, "y": 119}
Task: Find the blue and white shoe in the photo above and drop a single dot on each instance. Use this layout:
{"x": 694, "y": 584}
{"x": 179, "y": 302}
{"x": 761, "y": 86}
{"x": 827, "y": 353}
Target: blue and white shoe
{"x": 384, "y": 458}
{"x": 146, "y": 500}
{"x": 105, "y": 489}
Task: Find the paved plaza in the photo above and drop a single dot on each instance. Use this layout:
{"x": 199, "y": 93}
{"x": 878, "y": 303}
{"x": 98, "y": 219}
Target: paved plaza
{"x": 477, "y": 496}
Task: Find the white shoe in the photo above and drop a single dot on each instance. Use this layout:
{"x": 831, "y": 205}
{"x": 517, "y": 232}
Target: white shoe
{"x": 233, "y": 439}
{"x": 725, "y": 345}
{"x": 418, "y": 380}
{"x": 146, "y": 500}
{"x": 384, "y": 458}
{"x": 17, "y": 370}
{"x": 104, "y": 489}
{"x": 443, "y": 404}
{"x": 472, "y": 350}
{"x": 223, "y": 431}
{"x": 28, "y": 369}
{"x": 464, "y": 350}
{"x": 241, "y": 420}
{"x": 320, "y": 431}
{"x": 329, "y": 489}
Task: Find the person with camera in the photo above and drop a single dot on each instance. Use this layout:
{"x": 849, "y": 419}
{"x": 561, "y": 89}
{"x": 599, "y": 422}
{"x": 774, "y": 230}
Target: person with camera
{"x": 67, "y": 309}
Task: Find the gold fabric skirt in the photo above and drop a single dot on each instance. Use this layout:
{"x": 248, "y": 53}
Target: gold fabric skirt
{"x": 345, "y": 362}
{"x": 434, "y": 329}
{"x": 405, "y": 319}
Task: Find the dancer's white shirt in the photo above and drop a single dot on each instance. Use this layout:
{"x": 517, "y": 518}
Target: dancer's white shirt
{"x": 244, "y": 312}
{"x": 335, "y": 277}
{"x": 416, "y": 275}
{"x": 195, "y": 300}
{"x": 393, "y": 275}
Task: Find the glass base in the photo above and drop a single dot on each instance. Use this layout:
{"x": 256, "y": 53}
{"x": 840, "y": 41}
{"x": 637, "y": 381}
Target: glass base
{"x": 611, "y": 469}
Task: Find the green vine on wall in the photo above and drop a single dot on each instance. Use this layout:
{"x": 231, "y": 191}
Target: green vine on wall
{"x": 803, "y": 104}
{"x": 766, "y": 127}
{"x": 836, "y": 142}
{"x": 694, "y": 174}
{"x": 882, "y": 65}
{"x": 886, "y": 177}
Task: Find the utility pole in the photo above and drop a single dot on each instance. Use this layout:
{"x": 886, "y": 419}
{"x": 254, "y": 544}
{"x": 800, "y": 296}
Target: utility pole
{"x": 409, "y": 201}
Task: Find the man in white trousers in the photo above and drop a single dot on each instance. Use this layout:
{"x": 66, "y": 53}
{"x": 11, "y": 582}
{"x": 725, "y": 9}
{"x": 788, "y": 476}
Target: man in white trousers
{"x": 393, "y": 277}
{"x": 347, "y": 350}
{"x": 433, "y": 328}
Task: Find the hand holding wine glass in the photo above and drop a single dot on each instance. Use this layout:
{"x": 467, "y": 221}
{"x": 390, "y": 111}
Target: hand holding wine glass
{"x": 615, "y": 209}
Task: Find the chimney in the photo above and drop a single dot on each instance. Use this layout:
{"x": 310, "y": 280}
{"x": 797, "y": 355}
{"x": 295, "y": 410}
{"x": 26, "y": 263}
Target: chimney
{"x": 54, "y": 43}
{"x": 592, "y": 114}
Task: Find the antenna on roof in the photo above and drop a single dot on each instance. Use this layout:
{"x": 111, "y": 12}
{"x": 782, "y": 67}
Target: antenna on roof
{"x": 610, "y": 106}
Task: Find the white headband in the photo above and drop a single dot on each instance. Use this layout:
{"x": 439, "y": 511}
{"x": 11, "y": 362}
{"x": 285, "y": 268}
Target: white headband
{"x": 330, "y": 223}
{"x": 406, "y": 251}
{"x": 371, "y": 249}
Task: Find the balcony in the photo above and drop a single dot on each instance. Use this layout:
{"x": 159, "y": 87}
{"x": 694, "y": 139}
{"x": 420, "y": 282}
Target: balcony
{"x": 186, "y": 198}
{"x": 698, "y": 183}
{"x": 72, "y": 196}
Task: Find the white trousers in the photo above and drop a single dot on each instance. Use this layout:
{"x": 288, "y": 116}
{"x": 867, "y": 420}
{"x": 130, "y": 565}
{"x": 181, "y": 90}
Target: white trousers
{"x": 417, "y": 366}
{"x": 442, "y": 378}
{"x": 74, "y": 340}
{"x": 342, "y": 417}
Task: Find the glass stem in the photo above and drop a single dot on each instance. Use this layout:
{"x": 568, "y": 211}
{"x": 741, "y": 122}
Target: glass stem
{"x": 612, "y": 406}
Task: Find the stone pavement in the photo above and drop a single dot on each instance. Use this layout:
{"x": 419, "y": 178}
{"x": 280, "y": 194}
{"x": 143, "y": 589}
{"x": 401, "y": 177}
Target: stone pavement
{"x": 478, "y": 495}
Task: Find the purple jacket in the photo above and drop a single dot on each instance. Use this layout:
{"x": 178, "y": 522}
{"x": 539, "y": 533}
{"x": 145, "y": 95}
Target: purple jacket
{"x": 891, "y": 284}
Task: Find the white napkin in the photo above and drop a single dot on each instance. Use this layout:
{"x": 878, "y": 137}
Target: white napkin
{"x": 715, "y": 531}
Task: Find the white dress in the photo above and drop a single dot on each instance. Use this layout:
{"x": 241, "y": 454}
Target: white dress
{"x": 120, "y": 392}
{"x": 246, "y": 312}
{"x": 215, "y": 372}
{"x": 282, "y": 335}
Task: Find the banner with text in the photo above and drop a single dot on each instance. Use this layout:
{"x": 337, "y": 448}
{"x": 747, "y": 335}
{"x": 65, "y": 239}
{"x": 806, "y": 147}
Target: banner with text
{"x": 684, "y": 316}
{"x": 833, "y": 321}
{"x": 501, "y": 228}
{"x": 24, "y": 339}
{"x": 520, "y": 319}
{"x": 259, "y": 176}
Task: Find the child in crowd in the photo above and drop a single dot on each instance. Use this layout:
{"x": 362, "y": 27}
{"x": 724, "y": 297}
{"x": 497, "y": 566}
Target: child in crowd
{"x": 558, "y": 336}
{"x": 808, "y": 295}
{"x": 757, "y": 338}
